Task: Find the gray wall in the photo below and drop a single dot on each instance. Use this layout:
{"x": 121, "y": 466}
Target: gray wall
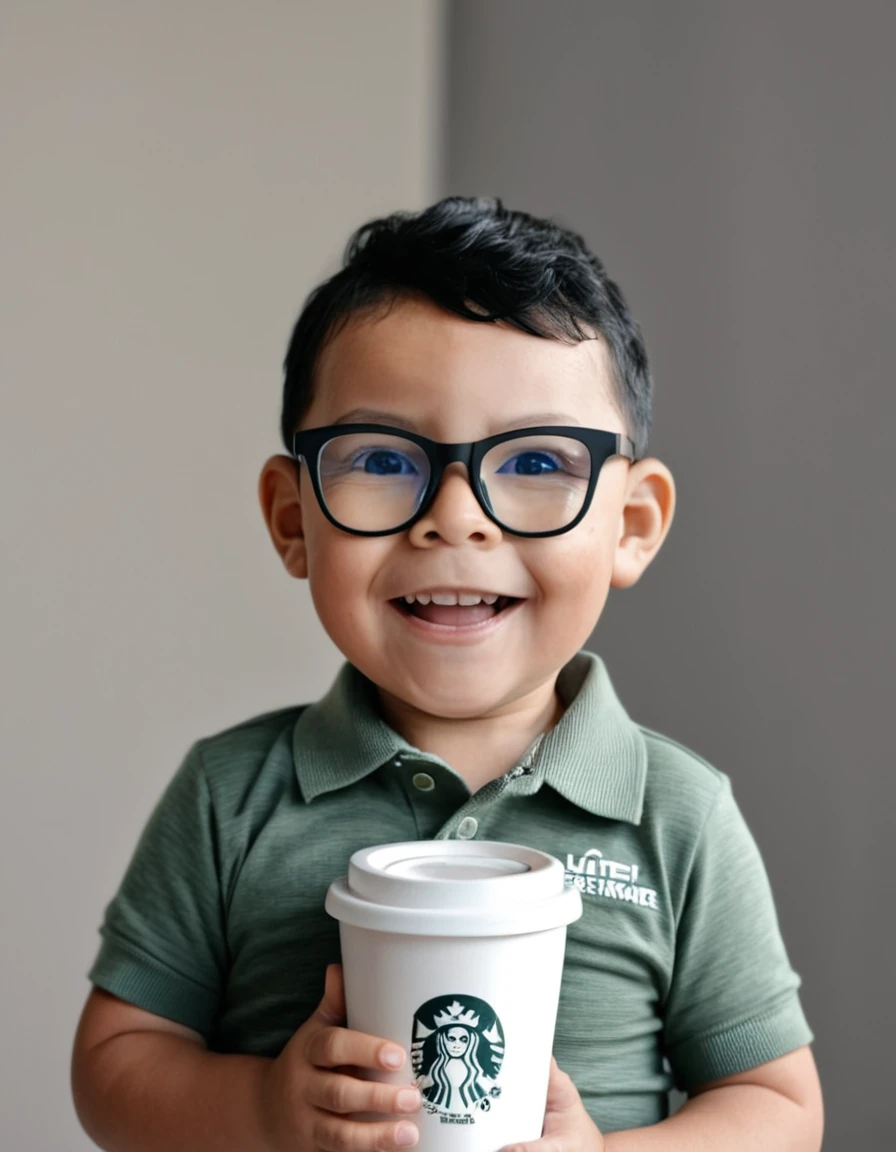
{"x": 733, "y": 164}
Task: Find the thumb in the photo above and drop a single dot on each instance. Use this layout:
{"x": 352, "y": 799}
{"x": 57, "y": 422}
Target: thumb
{"x": 563, "y": 1096}
{"x": 331, "y": 1009}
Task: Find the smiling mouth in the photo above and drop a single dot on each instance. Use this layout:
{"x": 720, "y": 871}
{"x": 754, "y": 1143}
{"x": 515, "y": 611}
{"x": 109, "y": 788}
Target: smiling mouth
{"x": 454, "y": 615}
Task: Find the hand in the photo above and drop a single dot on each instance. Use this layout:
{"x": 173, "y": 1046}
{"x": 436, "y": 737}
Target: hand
{"x": 567, "y": 1126}
{"x": 310, "y": 1089}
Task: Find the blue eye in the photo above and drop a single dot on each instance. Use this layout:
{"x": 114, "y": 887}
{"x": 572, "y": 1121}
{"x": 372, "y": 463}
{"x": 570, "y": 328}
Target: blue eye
{"x": 530, "y": 464}
{"x": 386, "y": 462}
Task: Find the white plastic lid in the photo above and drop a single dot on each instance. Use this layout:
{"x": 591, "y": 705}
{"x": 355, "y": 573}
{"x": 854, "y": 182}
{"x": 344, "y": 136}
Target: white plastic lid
{"x": 448, "y": 888}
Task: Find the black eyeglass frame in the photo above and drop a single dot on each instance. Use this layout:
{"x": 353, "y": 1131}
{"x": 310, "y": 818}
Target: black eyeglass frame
{"x": 602, "y": 446}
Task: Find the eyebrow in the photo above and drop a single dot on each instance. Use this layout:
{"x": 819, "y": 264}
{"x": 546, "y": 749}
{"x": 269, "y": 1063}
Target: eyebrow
{"x": 532, "y": 420}
{"x": 561, "y": 419}
{"x": 373, "y": 416}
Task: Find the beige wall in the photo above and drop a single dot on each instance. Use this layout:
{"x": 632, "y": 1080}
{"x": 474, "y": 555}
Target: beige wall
{"x": 175, "y": 178}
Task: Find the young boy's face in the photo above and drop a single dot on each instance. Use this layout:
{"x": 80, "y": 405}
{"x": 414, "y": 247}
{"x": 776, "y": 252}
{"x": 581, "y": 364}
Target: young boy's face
{"x": 455, "y": 380}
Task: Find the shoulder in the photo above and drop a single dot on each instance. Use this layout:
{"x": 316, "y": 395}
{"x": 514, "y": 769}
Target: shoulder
{"x": 251, "y": 735}
{"x": 238, "y": 759}
{"x": 678, "y": 772}
{"x": 683, "y": 793}
{"x": 692, "y": 816}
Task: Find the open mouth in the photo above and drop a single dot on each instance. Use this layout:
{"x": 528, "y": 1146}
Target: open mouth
{"x": 454, "y": 615}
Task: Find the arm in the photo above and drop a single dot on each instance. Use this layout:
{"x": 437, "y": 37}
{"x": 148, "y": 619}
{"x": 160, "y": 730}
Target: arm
{"x": 141, "y": 1082}
{"x": 776, "y": 1107}
{"x": 145, "y": 1084}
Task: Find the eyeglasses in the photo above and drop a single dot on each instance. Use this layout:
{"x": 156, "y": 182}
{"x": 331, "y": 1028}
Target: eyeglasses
{"x": 373, "y": 480}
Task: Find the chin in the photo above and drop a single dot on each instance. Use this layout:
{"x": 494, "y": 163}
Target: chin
{"x": 462, "y": 700}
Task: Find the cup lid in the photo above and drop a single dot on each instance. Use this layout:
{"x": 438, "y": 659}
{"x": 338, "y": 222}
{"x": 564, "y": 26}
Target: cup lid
{"x": 449, "y": 888}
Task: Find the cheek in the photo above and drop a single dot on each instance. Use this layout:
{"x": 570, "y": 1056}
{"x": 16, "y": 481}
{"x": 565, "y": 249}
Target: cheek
{"x": 341, "y": 570}
{"x": 580, "y": 564}
{"x": 573, "y": 583}
{"x": 578, "y": 567}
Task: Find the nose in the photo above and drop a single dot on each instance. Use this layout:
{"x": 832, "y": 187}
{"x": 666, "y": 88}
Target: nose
{"x": 454, "y": 516}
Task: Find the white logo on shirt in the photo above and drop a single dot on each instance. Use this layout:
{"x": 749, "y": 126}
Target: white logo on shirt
{"x": 595, "y": 876}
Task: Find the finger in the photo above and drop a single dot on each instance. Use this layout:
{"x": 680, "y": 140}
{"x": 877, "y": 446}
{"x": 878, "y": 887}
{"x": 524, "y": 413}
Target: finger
{"x": 564, "y": 1116}
{"x": 563, "y": 1096}
{"x": 334, "y": 1092}
{"x": 331, "y": 1009}
{"x": 333, "y": 1134}
{"x": 545, "y": 1144}
{"x": 337, "y": 1047}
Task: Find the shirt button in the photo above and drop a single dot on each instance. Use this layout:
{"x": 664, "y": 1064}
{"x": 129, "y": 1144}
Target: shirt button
{"x": 467, "y": 828}
{"x": 423, "y": 781}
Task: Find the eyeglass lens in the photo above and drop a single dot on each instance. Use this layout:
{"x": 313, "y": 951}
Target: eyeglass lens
{"x": 374, "y": 482}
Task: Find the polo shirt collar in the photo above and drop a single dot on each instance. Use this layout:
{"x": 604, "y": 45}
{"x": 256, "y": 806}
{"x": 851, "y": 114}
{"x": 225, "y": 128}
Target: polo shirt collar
{"x": 595, "y": 757}
{"x": 342, "y": 737}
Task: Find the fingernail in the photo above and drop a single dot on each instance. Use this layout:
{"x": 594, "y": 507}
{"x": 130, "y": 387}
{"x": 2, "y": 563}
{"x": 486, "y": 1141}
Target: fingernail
{"x": 408, "y": 1100}
{"x": 392, "y": 1057}
{"x": 405, "y": 1135}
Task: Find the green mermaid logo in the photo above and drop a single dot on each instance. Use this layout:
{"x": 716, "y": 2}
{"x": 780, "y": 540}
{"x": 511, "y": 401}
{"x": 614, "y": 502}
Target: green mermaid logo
{"x": 456, "y": 1053}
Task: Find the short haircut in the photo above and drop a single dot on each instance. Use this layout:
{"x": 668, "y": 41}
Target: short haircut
{"x": 484, "y": 262}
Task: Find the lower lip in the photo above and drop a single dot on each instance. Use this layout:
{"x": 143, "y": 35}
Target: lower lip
{"x": 454, "y": 634}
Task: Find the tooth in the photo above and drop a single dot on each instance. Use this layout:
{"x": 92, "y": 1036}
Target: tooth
{"x": 444, "y": 598}
{"x": 409, "y": 599}
{"x": 423, "y": 597}
{"x": 468, "y": 598}
{"x": 489, "y": 599}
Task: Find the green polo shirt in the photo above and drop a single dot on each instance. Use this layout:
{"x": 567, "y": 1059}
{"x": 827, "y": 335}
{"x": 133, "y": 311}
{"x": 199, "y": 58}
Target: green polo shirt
{"x": 676, "y": 972}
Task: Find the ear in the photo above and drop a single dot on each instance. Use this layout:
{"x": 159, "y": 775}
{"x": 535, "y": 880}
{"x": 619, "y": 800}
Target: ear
{"x": 281, "y": 505}
{"x": 645, "y": 520}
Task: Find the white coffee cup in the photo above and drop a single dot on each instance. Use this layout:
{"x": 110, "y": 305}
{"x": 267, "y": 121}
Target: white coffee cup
{"x": 454, "y": 950}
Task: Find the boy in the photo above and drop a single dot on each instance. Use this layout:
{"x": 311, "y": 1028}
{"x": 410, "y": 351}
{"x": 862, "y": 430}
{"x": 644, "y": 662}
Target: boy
{"x": 466, "y": 407}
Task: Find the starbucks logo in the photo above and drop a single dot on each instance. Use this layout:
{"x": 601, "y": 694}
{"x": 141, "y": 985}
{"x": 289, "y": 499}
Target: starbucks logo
{"x": 456, "y": 1053}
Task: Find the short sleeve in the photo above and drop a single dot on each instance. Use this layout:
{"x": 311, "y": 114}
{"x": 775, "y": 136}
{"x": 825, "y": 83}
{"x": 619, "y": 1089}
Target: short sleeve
{"x": 733, "y": 1002}
{"x": 163, "y": 940}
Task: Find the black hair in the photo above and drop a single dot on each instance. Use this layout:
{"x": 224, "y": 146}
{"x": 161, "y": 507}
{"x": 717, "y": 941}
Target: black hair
{"x": 480, "y": 260}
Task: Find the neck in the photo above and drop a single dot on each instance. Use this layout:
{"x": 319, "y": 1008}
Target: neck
{"x": 479, "y": 748}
